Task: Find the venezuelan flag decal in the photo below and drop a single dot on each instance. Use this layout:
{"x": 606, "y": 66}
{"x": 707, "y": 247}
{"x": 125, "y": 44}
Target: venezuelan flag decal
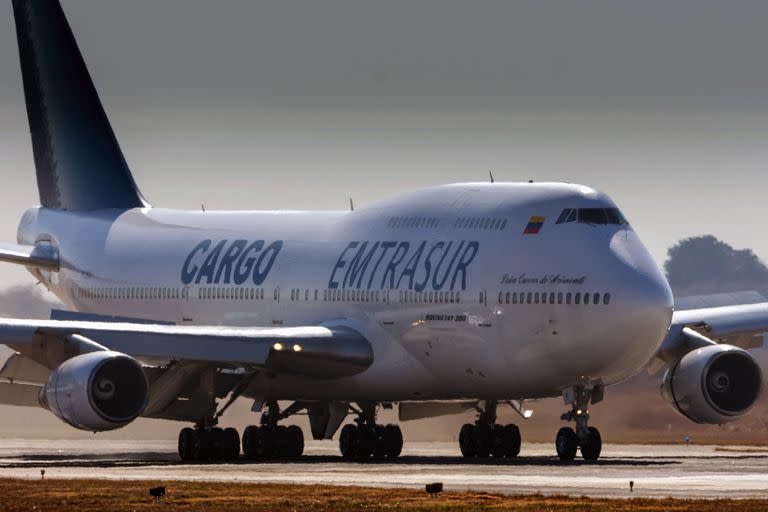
{"x": 534, "y": 226}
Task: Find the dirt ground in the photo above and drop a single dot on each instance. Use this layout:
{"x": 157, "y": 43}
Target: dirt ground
{"x": 103, "y": 495}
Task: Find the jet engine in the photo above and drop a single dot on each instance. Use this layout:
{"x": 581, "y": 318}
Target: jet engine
{"x": 97, "y": 391}
{"x": 714, "y": 384}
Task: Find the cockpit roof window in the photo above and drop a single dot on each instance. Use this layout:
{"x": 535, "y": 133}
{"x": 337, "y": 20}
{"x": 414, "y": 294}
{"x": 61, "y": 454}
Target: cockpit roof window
{"x": 592, "y": 216}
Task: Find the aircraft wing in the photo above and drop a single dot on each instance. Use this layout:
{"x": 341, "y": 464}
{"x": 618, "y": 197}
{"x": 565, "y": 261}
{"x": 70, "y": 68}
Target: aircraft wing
{"x": 315, "y": 351}
{"x": 739, "y": 325}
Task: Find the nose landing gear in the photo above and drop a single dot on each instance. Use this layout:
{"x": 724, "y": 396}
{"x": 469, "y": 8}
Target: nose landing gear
{"x": 485, "y": 437}
{"x": 584, "y": 438}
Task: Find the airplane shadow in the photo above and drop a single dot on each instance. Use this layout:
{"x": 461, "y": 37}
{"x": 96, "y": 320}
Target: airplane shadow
{"x": 144, "y": 459}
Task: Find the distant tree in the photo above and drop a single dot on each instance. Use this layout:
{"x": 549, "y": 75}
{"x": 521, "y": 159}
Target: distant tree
{"x": 705, "y": 264}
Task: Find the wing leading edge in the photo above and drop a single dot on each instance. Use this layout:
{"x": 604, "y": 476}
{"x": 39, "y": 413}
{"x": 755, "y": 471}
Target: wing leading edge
{"x": 314, "y": 351}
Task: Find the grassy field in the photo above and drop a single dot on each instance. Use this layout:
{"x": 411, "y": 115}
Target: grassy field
{"x": 107, "y": 496}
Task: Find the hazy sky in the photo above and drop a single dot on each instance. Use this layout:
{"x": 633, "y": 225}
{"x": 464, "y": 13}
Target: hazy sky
{"x": 282, "y": 104}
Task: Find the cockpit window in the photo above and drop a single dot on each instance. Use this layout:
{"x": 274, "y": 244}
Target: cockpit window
{"x": 592, "y": 216}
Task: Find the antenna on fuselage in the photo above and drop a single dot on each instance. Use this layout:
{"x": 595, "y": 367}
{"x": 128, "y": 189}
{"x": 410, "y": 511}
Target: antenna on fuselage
{"x": 490, "y": 173}
{"x": 351, "y": 205}
{"x": 202, "y": 206}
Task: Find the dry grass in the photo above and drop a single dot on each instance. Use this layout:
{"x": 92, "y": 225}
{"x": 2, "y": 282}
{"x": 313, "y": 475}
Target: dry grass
{"x": 102, "y": 495}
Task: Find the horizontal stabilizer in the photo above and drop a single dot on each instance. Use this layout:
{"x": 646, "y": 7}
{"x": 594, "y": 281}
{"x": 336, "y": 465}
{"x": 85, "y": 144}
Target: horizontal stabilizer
{"x": 42, "y": 256}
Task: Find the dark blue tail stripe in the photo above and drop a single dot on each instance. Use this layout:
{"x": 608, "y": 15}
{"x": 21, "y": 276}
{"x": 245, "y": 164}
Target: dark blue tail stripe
{"x": 79, "y": 163}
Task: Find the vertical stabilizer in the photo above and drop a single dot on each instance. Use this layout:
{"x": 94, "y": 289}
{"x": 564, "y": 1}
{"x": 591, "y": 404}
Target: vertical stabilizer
{"x": 79, "y": 163}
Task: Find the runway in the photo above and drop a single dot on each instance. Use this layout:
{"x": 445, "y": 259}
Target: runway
{"x": 657, "y": 471}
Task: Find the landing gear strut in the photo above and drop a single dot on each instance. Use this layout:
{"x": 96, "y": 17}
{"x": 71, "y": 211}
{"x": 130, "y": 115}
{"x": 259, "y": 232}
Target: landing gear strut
{"x": 585, "y": 438}
{"x": 367, "y": 439}
{"x": 270, "y": 440}
{"x": 485, "y": 437}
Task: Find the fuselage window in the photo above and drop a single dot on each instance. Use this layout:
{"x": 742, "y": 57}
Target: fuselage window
{"x": 529, "y": 298}
{"x": 559, "y": 298}
{"x": 501, "y": 298}
{"x": 508, "y": 297}
{"x": 596, "y": 298}
{"x": 514, "y": 298}
{"x": 577, "y": 298}
{"x": 536, "y": 298}
{"x": 552, "y": 298}
{"x": 607, "y": 298}
{"x": 586, "y": 298}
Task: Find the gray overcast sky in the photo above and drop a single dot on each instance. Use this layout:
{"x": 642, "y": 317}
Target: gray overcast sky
{"x": 284, "y": 104}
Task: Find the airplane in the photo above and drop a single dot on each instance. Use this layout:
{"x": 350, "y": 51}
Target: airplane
{"x": 453, "y": 298}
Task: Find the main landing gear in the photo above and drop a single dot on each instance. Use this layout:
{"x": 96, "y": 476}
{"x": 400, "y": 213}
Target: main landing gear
{"x": 206, "y": 442}
{"x": 367, "y": 439}
{"x": 584, "y": 438}
{"x": 270, "y": 440}
{"x": 209, "y": 444}
{"x": 485, "y": 437}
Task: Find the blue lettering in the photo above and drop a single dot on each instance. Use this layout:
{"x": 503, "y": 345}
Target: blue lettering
{"x": 209, "y": 266}
{"x": 393, "y": 263}
{"x": 428, "y": 267}
{"x": 340, "y": 264}
{"x": 464, "y": 262}
{"x": 225, "y": 267}
{"x": 245, "y": 264}
{"x": 187, "y": 274}
{"x": 410, "y": 267}
{"x": 260, "y": 272}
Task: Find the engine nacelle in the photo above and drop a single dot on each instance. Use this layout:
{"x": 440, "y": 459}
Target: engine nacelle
{"x": 714, "y": 384}
{"x": 97, "y": 391}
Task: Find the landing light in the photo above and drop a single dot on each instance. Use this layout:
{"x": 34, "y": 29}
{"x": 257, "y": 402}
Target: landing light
{"x": 297, "y": 348}
{"x": 278, "y": 346}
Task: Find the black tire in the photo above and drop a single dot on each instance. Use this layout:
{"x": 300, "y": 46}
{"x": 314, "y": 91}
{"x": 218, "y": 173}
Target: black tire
{"x": 514, "y": 440}
{"x": 189, "y": 445}
{"x": 366, "y": 442}
{"x": 251, "y": 443}
{"x": 483, "y": 441}
{"x": 215, "y": 448}
{"x": 394, "y": 440}
{"x": 348, "y": 441}
{"x": 566, "y": 444}
{"x": 230, "y": 444}
{"x": 281, "y": 442}
{"x": 380, "y": 444}
{"x": 466, "y": 442}
{"x": 295, "y": 441}
{"x": 499, "y": 438}
{"x": 592, "y": 445}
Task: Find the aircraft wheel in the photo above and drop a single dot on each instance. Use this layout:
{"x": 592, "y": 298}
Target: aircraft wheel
{"x": 483, "y": 441}
{"x": 230, "y": 444}
{"x": 189, "y": 444}
{"x": 566, "y": 444}
{"x": 513, "y": 440}
{"x": 592, "y": 445}
{"x": 253, "y": 442}
{"x": 295, "y": 438}
{"x": 348, "y": 441}
{"x": 281, "y": 442}
{"x": 380, "y": 449}
{"x": 499, "y": 438}
{"x": 466, "y": 440}
{"x": 393, "y": 438}
{"x": 366, "y": 442}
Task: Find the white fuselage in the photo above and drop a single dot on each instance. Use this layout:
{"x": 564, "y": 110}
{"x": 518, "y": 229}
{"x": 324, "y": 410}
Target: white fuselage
{"x": 437, "y": 280}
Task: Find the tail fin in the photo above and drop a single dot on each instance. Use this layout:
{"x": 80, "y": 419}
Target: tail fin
{"x": 78, "y": 160}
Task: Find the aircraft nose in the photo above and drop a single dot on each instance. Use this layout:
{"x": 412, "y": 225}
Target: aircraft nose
{"x": 647, "y": 301}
